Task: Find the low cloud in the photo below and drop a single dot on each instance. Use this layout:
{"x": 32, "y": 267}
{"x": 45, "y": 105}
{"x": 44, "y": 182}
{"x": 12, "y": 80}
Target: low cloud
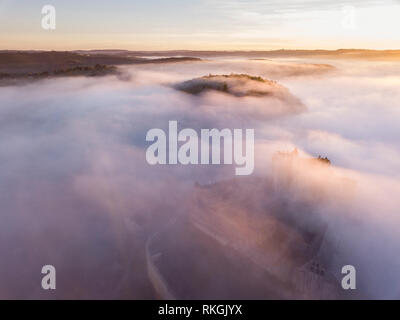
{"x": 78, "y": 193}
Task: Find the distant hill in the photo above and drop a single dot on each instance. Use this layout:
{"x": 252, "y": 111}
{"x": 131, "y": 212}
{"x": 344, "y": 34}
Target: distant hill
{"x": 282, "y": 53}
{"x": 238, "y": 85}
{"x": 19, "y": 64}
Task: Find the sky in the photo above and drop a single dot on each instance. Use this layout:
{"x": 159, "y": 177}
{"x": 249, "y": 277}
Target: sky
{"x": 202, "y": 24}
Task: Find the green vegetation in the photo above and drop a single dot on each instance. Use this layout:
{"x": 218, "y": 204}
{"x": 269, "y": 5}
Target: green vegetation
{"x": 237, "y": 75}
{"x": 234, "y": 84}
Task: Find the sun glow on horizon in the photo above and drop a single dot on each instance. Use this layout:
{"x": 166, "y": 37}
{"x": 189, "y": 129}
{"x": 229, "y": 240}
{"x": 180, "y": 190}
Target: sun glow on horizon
{"x": 221, "y": 25}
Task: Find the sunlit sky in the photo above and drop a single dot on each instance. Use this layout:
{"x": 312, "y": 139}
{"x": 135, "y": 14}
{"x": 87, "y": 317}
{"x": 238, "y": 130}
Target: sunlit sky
{"x": 202, "y": 24}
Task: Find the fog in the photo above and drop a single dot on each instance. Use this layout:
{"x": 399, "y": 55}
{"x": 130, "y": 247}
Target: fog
{"x": 77, "y": 192}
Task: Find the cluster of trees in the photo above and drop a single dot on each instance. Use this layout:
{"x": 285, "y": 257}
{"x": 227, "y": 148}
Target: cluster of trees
{"x": 97, "y": 69}
{"x": 23, "y": 75}
{"x": 324, "y": 160}
{"x": 236, "y": 75}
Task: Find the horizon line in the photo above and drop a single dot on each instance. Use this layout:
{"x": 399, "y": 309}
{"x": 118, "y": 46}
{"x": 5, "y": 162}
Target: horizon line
{"x": 203, "y": 50}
